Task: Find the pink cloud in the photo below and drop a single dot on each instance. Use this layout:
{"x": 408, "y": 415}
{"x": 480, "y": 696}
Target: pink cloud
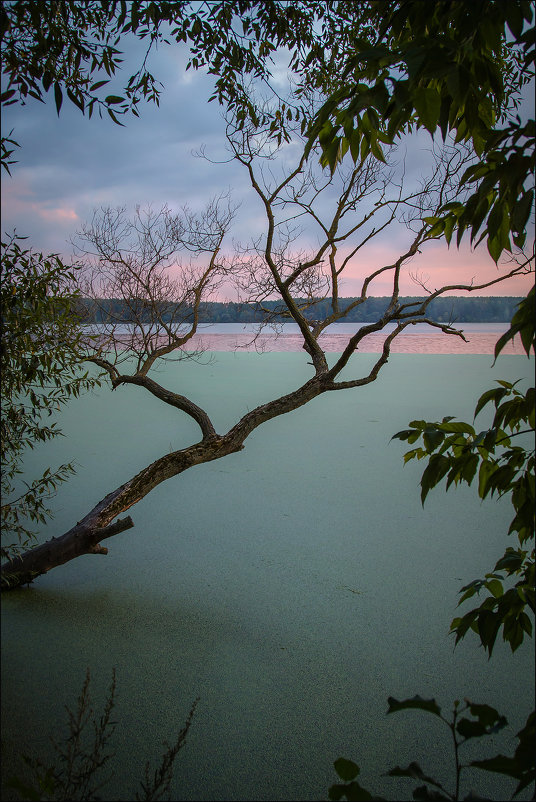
{"x": 19, "y": 203}
{"x": 437, "y": 266}
{"x": 59, "y": 214}
{"x": 15, "y": 193}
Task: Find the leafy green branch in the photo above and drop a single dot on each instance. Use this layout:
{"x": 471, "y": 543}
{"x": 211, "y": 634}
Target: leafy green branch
{"x": 468, "y": 721}
{"x": 456, "y": 451}
{"x": 30, "y": 505}
{"x": 501, "y": 202}
{"x": 41, "y": 362}
{"x": 447, "y": 67}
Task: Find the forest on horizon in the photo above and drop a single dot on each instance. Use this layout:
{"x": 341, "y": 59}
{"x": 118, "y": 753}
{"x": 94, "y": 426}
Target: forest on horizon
{"x": 463, "y": 309}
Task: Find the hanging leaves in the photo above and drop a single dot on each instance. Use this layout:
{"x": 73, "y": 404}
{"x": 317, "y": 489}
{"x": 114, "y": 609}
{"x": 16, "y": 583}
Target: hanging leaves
{"x": 503, "y": 467}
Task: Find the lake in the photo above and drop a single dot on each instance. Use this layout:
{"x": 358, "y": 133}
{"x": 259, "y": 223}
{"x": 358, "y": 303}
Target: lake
{"x": 293, "y": 586}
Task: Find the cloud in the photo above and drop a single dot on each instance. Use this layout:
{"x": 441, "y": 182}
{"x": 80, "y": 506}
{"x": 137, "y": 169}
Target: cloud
{"x": 70, "y": 165}
{"x": 58, "y": 215}
{"x": 435, "y": 266}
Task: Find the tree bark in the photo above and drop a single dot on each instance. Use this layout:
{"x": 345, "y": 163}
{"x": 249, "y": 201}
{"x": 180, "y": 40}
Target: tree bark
{"x": 99, "y": 524}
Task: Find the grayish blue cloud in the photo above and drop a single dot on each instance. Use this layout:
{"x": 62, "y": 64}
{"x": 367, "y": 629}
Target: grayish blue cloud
{"x": 68, "y": 166}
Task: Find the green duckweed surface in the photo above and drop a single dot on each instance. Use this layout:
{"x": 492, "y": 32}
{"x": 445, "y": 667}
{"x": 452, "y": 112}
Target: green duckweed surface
{"x": 293, "y": 587}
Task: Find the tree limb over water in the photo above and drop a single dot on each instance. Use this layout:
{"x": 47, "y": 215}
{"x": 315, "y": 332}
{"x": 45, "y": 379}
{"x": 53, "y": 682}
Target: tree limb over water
{"x": 163, "y": 266}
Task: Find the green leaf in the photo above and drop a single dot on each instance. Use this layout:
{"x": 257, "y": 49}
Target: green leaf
{"x": 432, "y": 438}
{"x": 376, "y": 150}
{"x": 500, "y": 765}
{"x": 429, "y": 795}
{"x": 77, "y": 100}
{"x": 346, "y": 769}
{"x": 488, "y": 624}
{"x": 523, "y": 322}
{"x": 521, "y": 211}
{"x": 98, "y": 85}
{"x": 458, "y": 426}
{"x": 495, "y": 247}
{"x": 4, "y": 97}
{"x": 330, "y": 154}
{"x": 487, "y": 715}
{"x": 47, "y": 80}
{"x": 475, "y": 729}
{"x": 469, "y": 467}
{"x": 114, "y": 118}
{"x": 402, "y": 435}
{"x": 58, "y": 97}
{"x": 428, "y": 105}
{"x": 450, "y": 222}
{"x": 495, "y": 587}
{"x": 514, "y": 19}
{"x": 416, "y": 703}
{"x": 495, "y": 395}
{"x": 487, "y": 469}
{"x": 468, "y": 591}
{"x": 505, "y": 384}
{"x": 355, "y": 144}
{"x": 511, "y": 561}
{"x": 436, "y": 469}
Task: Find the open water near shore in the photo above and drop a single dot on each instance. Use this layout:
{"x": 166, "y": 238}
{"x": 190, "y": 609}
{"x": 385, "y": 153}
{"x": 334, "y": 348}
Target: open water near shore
{"x": 293, "y": 587}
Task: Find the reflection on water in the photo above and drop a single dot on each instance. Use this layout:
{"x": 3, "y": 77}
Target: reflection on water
{"x": 419, "y": 343}
{"x": 419, "y": 338}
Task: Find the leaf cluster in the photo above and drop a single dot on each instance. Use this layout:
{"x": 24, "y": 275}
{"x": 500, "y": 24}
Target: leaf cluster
{"x": 399, "y": 65}
{"x": 522, "y": 323}
{"x": 63, "y": 46}
{"x": 40, "y": 361}
{"x": 456, "y": 67}
{"x": 469, "y": 721}
{"x": 72, "y": 47}
{"x": 502, "y": 201}
{"x": 455, "y": 450}
{"x": 6, "y": 151}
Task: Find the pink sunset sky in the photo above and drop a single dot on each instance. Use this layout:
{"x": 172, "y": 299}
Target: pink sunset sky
{"x": 436, "y": 265}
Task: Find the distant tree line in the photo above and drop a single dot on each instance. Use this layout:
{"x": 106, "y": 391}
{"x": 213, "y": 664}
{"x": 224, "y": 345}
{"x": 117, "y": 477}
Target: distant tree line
{"x": 478, "y": 309}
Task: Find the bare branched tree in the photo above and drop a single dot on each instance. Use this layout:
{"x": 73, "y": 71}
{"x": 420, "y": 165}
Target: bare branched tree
{"x": 148, "y": 276}
{"x": 142, "y": 263}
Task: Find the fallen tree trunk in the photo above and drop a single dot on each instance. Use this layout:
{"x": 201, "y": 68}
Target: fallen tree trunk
{"x": 99, "y": 524}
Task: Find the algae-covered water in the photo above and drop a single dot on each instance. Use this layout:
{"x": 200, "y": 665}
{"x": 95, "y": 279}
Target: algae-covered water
{"x": 293, "y": 587}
